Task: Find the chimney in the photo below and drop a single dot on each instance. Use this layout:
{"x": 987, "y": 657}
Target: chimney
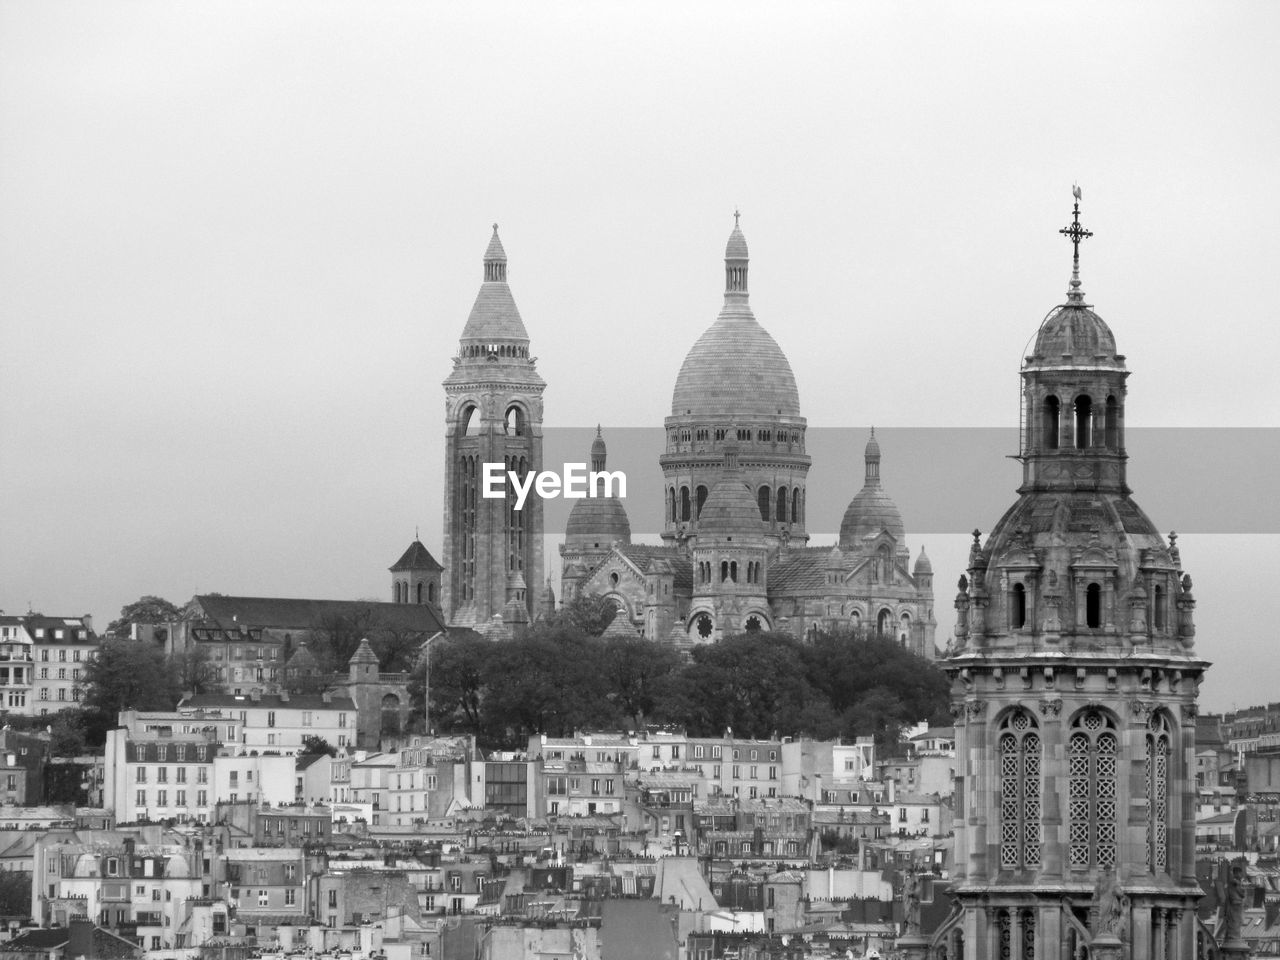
{"x": 255, "y": 695}
{"x": 80, "y": 940}
{"x": 327, "y": 696}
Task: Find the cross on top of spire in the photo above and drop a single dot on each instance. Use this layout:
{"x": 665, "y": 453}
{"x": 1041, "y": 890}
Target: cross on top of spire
{"x": 736, "y": 215}
{"x": 1075, "y": 233}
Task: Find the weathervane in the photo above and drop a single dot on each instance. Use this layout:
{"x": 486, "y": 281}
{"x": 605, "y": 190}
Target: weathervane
{"x": 1075, "y": 233}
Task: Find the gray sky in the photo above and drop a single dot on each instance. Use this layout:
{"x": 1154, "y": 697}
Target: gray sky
{"x": 240, "y": 240}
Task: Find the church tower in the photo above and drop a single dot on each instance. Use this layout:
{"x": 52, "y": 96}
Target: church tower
{"x": 1074, "y": 684}
{"x": 493, "y": 414}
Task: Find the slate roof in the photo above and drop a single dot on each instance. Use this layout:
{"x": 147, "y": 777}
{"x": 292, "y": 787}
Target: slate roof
{"x": 298, "y": 614}
{"x": 274, "y": 701}
{"x": 417, "y": 557}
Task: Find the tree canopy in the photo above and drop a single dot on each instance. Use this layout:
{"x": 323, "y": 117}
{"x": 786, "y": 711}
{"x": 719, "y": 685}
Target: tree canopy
{"x": 147, "y": 611}
{"x": 559, "y": 678}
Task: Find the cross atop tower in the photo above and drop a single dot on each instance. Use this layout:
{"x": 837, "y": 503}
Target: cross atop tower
{"x": 1075, "y": 233}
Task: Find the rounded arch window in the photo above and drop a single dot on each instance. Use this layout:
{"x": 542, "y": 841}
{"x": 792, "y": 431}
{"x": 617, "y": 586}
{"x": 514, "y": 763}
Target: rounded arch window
{"x": 1092, "y": 790}
{"x": 684, "y": 503}
{"x": 515, "y": 421}
{"x": 884, "y": 623}
{"x": 1112, "y": 423}
{"x": 703, "y": 626}
{"x": 419, "y": 591}
{"x": 613, "y": 579}
{"x": 701, "y": 499}
{"x": 1093, "y": 606}
{"x": 431, "y": 592}
{"x": 782, "y": 504}
{"x": 904, "y": 632}
{"x": 1018, "y": 607}
{"x": 1052, "y": 421}
{"x": 1084, "y": 421}
{"x": 763, "y": 496}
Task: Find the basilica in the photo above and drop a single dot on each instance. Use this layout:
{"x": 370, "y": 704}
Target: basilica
{"x": 735, "y": 554}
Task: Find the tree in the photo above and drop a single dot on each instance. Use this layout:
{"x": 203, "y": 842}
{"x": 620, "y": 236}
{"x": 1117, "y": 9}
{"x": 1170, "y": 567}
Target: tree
{"x": 67, "y": 734}
{"x": 194, "y": 671}
{"x": 636, "y": 672}
{"x": 314, "y": 744}
{"x": 145, "y": 611}
{"x": 585, "y": 615}
{"x": 129, "y": 675}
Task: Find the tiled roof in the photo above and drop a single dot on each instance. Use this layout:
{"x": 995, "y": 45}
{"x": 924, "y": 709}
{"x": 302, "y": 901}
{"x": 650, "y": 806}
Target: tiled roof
{"x": 297, "y": 614}
{"x": 417, "y": 557}
{"x": 641, "y": 554}
{"x": 803, "y": 568}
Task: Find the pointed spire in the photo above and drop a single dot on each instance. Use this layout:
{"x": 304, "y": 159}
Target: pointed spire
{"x": 495, "y": 260}
{"x": 871, "y": 456}
{"x": 1075, "y": 233}
{"x": 735, "y": 262}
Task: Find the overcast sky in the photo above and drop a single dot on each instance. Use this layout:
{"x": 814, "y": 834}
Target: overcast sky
{"x": 238, "y": 242}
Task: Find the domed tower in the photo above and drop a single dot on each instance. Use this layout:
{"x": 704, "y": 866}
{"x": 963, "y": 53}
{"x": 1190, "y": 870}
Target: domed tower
{"x": 493, "y": 414}
{"x": 736, "y": 386}
{"x": 595, "y": 524}
{"x": 1074, "y": 685}
{"x": 730, "y": 560}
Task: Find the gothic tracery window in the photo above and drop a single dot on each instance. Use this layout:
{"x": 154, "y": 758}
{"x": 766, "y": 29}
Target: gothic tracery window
{"x": 1020, "y": 791}
{"x": 1159, "y": 736}
{"x": 1092, "y": 790}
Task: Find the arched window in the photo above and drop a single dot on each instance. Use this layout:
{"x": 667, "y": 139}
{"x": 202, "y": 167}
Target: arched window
{"x": 1157, "y": 607}
{"x": 733, "y": 570}
{"x": 782, "y": 505}
{"x": 418, "y": 588}
{"x": 1113, "y": 424}
{"x": 468, "y": 422}
{"x": 702, "y": 498}
{"x": 1018, "y": 607}
{"x": 684, "y": 503}
{"x": 515, "y": 421}
{"x": 883, "y": 623}
{"x": 396, "y": 591}
{"x": 1020, "y": 790}
{"x": 1052, "y": 422}
{"x": 753, "y": 624}
{"x": 724, "y": 570}
{"x": 762, "y": 498}
{"x": 431, "y": 592}
{"x": 703, "y": 625}
{"x": 1084, "y": 422}
{"x": 1159, "y": 738}
{"x": 1092, "y": 791}
{"x": 1093, "y": 606}
{"x": 904, "y": 633}
{"x": 796, "y": 515}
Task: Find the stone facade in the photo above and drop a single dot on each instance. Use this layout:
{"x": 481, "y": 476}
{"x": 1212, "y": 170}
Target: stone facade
{"x": 735, "y": 554}
{"x": 1074, "y": 683}
{"x": 493, "y": 414}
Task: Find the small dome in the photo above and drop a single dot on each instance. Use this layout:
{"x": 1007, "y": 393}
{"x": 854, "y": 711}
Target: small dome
{"x": 873, "y": 447}
{"x": 599, "y": 520}
{"x": 1075, "y": 333}
{"x": 730, "y": 508}
{"x": 870, "y": 511}
{"x": 923, "y": 564}
{"x": 598, "y": 449}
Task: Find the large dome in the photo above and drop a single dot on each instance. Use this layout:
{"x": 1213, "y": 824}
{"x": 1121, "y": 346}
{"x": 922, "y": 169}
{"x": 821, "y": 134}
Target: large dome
{"x": 735, "y": 370}
{"x": 730, "y": 508}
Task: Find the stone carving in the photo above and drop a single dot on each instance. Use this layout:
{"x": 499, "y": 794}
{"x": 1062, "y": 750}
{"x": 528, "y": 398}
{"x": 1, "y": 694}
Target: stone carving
{"x": 975, "y": 708}
{"x": 1141, "y": 709}
{"x": 1111, "y": 903}
{"x": 911, "y": 902}
{"x": 1190, "y": 711}
{"x": 1051, "y": 708}
{"x": 1231, "y": 884}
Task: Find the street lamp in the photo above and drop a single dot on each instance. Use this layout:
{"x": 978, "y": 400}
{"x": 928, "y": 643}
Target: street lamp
{"x": 425, "y": 651}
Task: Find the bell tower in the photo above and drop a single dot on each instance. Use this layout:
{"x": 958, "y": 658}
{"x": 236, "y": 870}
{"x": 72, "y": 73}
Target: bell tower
{"x": 1073, "y": 680}
{"x": 493, "y": 415}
